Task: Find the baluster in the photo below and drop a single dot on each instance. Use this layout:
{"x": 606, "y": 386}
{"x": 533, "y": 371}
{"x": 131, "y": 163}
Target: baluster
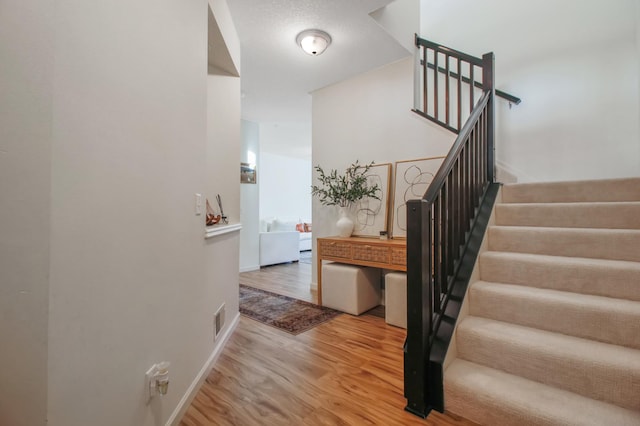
{"x": 479, "y": 159}
{"x": 471, "y": 86}
{"x": 444, "y": 218}
{"x": 476, "y": 165}
{"x": 437, "y": 288}
{"x": 463, "y": 191}
{"x": 485, "y": 152}
{"x": 446, "y": 99}
{"x": 472, "y": 171}
{"x": 467, "y": 190}
{"x": 456, "y": 208}
{"x": 441, "y": 238}
{"x": 459, "y": 95}
{"x": 481, "y": 154}
{"x": 470, "y": 203}
{"x": 435, "y": 84}
{"x": 451, "y": 220}
{"x": 425, "y": 85}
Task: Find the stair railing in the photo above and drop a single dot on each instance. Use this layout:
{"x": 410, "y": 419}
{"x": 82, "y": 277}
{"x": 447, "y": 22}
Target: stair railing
{"x": 450, "y": 82}
{"x": 441, "y": 225}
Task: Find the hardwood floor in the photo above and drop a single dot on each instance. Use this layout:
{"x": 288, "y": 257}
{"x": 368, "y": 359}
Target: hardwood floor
{"x": 288, "y": 279}
{"x": 347, "y": 371}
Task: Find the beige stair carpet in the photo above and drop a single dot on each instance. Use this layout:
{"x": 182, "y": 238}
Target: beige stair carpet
{"x": 553, "y": 331}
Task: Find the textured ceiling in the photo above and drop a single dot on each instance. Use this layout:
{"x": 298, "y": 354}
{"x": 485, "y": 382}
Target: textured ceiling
{"x": 277, "y": 76}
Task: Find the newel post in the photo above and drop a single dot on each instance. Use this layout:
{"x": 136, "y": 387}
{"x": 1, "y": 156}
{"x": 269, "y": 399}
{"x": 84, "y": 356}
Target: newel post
{"x": 488, "y": 84}
{"x": 419, "y": 311}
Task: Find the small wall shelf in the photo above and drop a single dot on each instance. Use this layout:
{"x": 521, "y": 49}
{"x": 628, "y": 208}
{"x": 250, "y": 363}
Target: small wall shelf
{"x": 217, "y": 230}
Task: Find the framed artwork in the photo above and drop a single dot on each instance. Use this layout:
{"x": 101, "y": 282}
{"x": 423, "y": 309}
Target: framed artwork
{"x": 247, "y": 173}
{"x": 413, "y": 177}
{"x": 371, "y": 215}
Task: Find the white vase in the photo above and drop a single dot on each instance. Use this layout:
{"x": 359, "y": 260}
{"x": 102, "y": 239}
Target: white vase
{"x": 344, "y": 223}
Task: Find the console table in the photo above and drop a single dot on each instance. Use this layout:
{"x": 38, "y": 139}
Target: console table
{"x": 385, "y": 254}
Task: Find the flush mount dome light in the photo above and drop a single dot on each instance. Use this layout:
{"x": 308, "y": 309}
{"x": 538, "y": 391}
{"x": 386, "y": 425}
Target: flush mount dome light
{"x": 314, "y": 42}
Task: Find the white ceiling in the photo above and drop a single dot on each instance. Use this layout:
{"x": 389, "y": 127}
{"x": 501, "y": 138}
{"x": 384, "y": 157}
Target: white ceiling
{"x": 277, "y": 76}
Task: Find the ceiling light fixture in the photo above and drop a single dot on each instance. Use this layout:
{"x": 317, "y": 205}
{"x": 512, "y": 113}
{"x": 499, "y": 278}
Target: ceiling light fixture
{"x": 313, "y": 42}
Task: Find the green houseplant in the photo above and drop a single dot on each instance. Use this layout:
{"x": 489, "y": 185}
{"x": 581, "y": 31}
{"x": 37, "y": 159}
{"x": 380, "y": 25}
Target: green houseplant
{"x": 343, "y": 190}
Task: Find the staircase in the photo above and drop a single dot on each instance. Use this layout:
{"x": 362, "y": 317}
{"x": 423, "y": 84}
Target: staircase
{"x": 552, "y": 335}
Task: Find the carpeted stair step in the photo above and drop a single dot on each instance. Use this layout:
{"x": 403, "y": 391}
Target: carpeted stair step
{"x": 554, "y": 359}
{"x": 618, "y": 215}
{"x": 492, "y": 397}
{"x": 605, "y": 319}
{"x": 627, "y": 189}
{"x": 599, "y": 277}
{"x": 615, "y": 244}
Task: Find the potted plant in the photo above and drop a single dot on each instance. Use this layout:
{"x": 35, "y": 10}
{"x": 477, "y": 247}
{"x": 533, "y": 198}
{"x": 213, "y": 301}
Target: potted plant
{"x": 343, "y": 190}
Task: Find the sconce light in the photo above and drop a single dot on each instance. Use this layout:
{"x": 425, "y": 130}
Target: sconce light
{"x": 313, "y": 42}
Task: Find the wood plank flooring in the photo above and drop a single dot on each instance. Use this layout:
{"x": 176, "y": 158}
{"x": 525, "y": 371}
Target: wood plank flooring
{"x": 347, "y": 371}
{"x": 288, "y": 279}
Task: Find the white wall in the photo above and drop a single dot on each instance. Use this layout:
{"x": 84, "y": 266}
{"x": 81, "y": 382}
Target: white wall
{"x": 369, "y": 118}
{"x": 401, "y": 19}
{"x": 638, "y": 52}
{"x": 285, "y": 187}
{"x": 107, "y": 121}
{"x": 221, "y": 261}
{"x": 287, "y": 139}
{"x": 284, "y": 172}
{"x": 26, "y": 40}
{"x": 250, "y": 201}
{"x": 574, "y": 63}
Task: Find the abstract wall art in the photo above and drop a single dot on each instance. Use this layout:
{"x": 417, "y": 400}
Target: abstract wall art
{"x": 412, "y": 179}
{"x": 371, "y": 215}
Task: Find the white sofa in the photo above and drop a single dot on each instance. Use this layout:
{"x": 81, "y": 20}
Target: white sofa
{"x": 280, "y": 242}
{"x": 305, "y": 241}
{"x": 279, "y": 247}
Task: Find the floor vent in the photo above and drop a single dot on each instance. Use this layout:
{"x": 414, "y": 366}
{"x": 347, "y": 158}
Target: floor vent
{"x": 218, "y": 321}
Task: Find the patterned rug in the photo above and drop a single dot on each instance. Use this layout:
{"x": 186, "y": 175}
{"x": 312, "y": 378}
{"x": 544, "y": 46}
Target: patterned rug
{"x": 287, "y": 314}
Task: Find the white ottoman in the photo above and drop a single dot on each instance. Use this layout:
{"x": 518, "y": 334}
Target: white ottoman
{"x": 349, "y": 288}
{"x": 395, "y": 299}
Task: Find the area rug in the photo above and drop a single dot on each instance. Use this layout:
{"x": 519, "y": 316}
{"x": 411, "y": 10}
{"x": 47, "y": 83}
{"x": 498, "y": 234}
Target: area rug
{"x": 285, "y": 313}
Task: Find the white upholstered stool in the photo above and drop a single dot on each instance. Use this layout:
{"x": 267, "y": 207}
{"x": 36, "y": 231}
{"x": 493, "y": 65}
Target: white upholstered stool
{"x": 349, "y": 288}
{"x": 395, "y": 299}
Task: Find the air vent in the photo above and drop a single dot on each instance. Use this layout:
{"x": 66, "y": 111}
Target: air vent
{"x": 218, "y": 321}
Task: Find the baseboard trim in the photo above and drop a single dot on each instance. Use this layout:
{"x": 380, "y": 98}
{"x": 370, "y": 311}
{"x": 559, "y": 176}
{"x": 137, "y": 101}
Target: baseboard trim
{"x": 250, "y": 268}
{"x": 193, "y": 389}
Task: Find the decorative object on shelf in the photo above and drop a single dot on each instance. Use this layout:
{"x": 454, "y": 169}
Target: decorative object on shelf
{"x": 247, "y": 173}
{"x": 222, "y": 216}
{"x": 212, "y": 218}
{"x": 413, "y": 177}
{"x": 343, "y": 190}
{"x": 371, "y": 214}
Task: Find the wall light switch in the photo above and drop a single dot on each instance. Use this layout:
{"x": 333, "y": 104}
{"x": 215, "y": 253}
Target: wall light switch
{"x": 198, "y": 204}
